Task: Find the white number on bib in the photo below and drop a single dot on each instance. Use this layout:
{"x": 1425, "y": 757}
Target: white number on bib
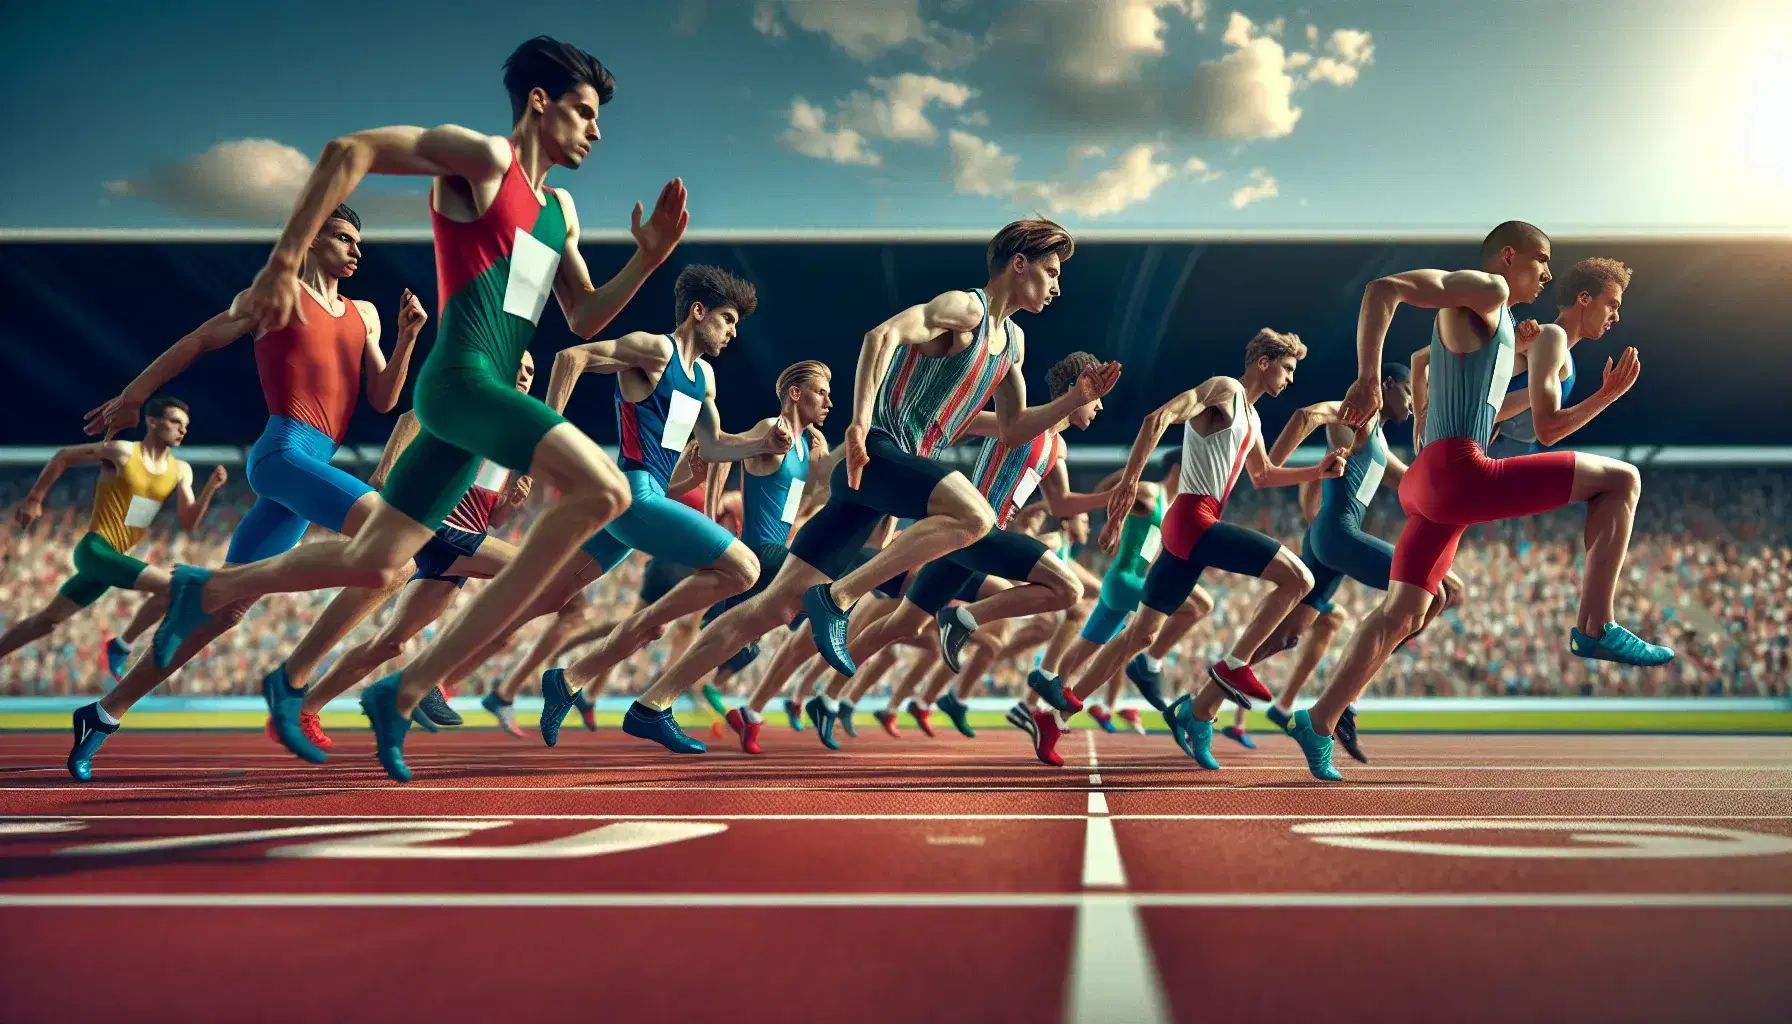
{"x": 1029, "y": 482}
{"x": 792, "y": 501}
{"x": 141, "y": 513}
{"x": 532, "y": 267}
{"x": 491, "y": 476}
{"x": 681, "y": 417}
{"x": 1502, "y": 376}
{"x": 1371, "y": 480}
{"x": 1154, "y": 542}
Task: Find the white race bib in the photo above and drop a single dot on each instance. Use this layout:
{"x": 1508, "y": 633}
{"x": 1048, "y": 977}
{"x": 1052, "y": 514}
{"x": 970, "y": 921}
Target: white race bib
{"x": 681, "y": 418}
{"x": 141, "y": 513}
{"x": 792, "y": 502}
{"x": 1371, "y": 480}
{"x": 1502, "y": 376}
{"x": 1029, "y": 482}
{"x": 1154, "y": 542}
{"x": 532, "y": 267}
{"x": 491, "y": 476}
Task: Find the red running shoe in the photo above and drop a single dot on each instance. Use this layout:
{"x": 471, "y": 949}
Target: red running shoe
{"x": 309, "y": 724}
{"x": 715, "y": 730}
{"x": 749, "y": 731}
{"x": 1131, "y": 717}
{"x": 1045, "y": 738}
{"x": 1240, "y": 683}
{"x": 922, "y": 716}
{"x": 887, "y": 719}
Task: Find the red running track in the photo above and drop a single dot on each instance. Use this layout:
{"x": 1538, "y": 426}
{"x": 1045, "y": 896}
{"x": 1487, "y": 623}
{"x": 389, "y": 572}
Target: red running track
{"x": 209, "y": 876}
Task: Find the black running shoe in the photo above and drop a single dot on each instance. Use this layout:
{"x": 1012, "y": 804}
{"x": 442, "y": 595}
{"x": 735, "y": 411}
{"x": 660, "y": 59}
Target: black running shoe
{"x": 1022, "y": 719}
{"x": 435, "y": 707}
{"x": 845, "y": 716}
{"x": 956, "y": 626}
{"x": 1345, "y": 734}
{"x": 1148, "y": 681}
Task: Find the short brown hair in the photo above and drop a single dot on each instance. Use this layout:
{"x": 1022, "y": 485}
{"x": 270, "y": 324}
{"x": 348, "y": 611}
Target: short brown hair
{"x": 1590, "y": 275}
{"x": 1034, "y": 238}
{"x": 1273, "y": 345}
{"x": 797, "y": 374}
{"x": 715, "y": 288}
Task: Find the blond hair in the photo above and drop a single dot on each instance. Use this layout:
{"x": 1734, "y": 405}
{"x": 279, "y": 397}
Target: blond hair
{"x": 798, "y": 374}
{"x": 1273, "y": 345}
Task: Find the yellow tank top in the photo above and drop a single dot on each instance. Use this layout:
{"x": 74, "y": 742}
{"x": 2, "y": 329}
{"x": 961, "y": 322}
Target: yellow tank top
{"x": 125, "y": 504}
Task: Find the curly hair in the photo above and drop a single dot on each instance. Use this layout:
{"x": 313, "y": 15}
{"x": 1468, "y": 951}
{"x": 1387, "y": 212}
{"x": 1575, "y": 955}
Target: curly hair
{"x": 1590, "y": 275}
{"x": 715, "y": 288}
{"x": 1063, "y": 374}
{"x": 1273, "y": 345}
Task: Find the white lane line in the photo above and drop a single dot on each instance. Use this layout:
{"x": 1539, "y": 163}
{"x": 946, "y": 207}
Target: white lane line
{"x": 674, "y": 900}
{"x": 1098, "y": 803}
{"x": 620, "y": 816}
{"x": 1094, "y": 762}
{"x": 1095, "y": 779}
{"x": 1113, "y": 976}
{"x": 720, "y": 767}
{"x": 99, "y": 790}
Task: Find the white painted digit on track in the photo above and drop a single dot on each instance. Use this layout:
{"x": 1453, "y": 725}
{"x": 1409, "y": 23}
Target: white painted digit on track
{"x": 1627, "y": 840}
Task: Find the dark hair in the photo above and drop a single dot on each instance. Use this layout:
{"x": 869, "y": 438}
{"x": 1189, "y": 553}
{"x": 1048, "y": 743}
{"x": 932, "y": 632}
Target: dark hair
{"x": 1063, "y": 374}
{"x": 158, "y": 406}
{"x": 1035, "y": 238}
{"x": 715, "y": 288}
{"x": 1399, "y": 373}
{"x": 343, "y": 212}
{"x": 555, "y": 68}
{"x": 1590, "y": 275}
{"x": 1515, "y": 233}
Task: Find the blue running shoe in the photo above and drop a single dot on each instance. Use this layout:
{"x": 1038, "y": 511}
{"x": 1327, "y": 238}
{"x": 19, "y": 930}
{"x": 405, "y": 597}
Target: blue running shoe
{"x": 1317, "y": 748}
{"x": 1277, "y": 717}
{"x": 795, "y": 713}
{"x": 556, "y": 701}
{"x": 186, "y": 613}
{"x": 1173, "y": 718}
{"x": 89, "y": 732}
{"x": 503, "y": 710}
{"x": 845, "y": 716}
{"x": 284, "y": 703}
{"x": 379, "y": 703}
{"x": 1620, "y": 645}
{"x": 643, "y": 722}
{"x": 1198, "y": 733}
{"x": 1148, "y": 681}
{"x": 957, "y": 711}
{"x": 118, "y": 658}
{"x": 1239, "y": 736}
{"x": 739, "y": 660}
{"x": 1051, "y": 690}
{"x": 828, "y": 625}
{"x": 823, "y": 721}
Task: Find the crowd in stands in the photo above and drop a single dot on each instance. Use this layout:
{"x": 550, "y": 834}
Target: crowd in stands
{"x": 1709, "y": 572}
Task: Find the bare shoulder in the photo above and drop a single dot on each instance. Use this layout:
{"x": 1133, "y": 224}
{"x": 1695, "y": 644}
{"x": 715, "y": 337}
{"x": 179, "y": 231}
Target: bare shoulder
{"x": 1214, "y": 389}
{"x": 568, "y": 210}
{"x": 958, "y": 310}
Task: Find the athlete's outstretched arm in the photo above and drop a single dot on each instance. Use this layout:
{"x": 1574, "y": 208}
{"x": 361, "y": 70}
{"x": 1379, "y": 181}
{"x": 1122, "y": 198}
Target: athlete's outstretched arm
{"x": 446, "y": 151}
{"x": 385, "y": 378}
{"x": 916, "y": 325}
{"x": 1265, "y": 473}
{"x": 112, "y": 452}
{"x": 190, "y": 510}
{"x": 689, "y": 471}
{"x": 768, "y": 437}
{"x": 1547, "y": 355}
{"x": 1018, "y": 424}
{"x": 1181, "y": 409}
{"x": 589, "y": 309}
{"x": 1300, "y": 425}
{"x": 636, "y": 350}
{"x": 403, "y": 433}
{"x": 121, "y": 413}
{"x": 1428, "y": 289}
{"x": 1061, "y": 501}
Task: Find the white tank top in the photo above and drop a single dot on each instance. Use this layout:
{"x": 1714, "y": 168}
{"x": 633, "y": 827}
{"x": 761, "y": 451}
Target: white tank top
{"x": 1211, "y": 464}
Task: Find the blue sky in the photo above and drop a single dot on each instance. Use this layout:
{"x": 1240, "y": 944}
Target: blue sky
{"x": 1357, "y": 115}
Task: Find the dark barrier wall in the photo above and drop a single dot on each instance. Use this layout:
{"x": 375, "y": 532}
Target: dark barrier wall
{"x": 1712, "y": 321}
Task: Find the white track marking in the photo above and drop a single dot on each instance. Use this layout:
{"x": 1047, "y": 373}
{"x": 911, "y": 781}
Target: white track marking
{"x": 1095, "y": 780}
{"x": 1098, "y": 803}
{"x": 100, "y": 790}
{"x": 1290, "y": 816}
{"x": 1112, "y": 974}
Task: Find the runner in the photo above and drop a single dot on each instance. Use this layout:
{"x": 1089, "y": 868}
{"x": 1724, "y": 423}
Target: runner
{"x": 944, "y": 359}
{"x": 1453, "y": 485}
{"x": 136, "y": 477}
{"x": 1222, "y": 438}
{"x": 311, "y": 372}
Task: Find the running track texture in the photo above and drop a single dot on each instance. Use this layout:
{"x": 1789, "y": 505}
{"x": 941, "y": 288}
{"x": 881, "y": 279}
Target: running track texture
{"x": 208, "y": 876}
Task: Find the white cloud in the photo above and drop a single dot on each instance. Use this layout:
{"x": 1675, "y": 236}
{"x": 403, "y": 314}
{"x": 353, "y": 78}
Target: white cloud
{"x": 256, "y": 181}
{"x": 1347, "y": 50}
{"x": 1261, "y": 187}
{"x": 1248, "y": 93}
{"x": 809, "y": 135}
{"x": 868, "y": 28}
{"x": 1199, "y": 168}
{"x": 1086, "y": 151}
{"x": 979, "y": 166}
{"x": 1312, "y": 35}
{"x": 1094, "y": 42}
{"x": 975, "y": 119}
{"x": 1299, "y": 59}
{"x": 900, "y": 114}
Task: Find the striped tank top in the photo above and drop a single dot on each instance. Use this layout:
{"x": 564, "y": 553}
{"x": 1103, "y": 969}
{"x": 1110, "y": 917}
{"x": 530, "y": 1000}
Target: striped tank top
{"x": 1467, "y": 388}
{"x": 653, "y": 431}
{"x": 1008, "y": 477}
{"x": 125, "y": 503}
{"x": 474, "y": 513}
{"x": 1211, "y": 464}
{"x": 311, "y": 372}
{"x": 769, "y": 503}
{"x": 1345, "y": 497}
{"x": 926, "y": 402}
